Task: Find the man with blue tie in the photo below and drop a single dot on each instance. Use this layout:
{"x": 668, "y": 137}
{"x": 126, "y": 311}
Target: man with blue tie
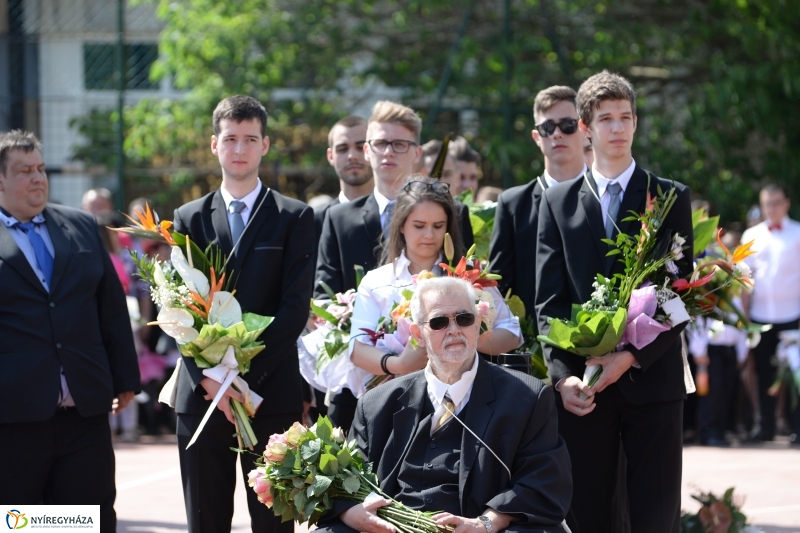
{"x": 67, "y": 350}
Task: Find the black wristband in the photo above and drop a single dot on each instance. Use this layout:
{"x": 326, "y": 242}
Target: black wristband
{"x": 383, "y": 363}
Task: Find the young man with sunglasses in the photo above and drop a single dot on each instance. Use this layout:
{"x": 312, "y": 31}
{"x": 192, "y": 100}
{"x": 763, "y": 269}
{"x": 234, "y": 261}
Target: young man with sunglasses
{"x": 639, "y": 396}
{"x": 513, "y": 248}
{"x": 352, "y": 233}
{"x": 445, "y": 439}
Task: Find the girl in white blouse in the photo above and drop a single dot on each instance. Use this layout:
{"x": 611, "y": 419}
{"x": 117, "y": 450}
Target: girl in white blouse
{"x": 423, "y": 213}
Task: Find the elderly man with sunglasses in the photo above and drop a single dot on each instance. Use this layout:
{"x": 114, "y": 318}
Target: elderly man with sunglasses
{"x": 473, "y": 441}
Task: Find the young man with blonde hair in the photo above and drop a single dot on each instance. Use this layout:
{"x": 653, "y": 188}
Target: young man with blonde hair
{"x": 639, "y": 396}
{"x": 513, "y": 247}
{"x": 352, "y": 232}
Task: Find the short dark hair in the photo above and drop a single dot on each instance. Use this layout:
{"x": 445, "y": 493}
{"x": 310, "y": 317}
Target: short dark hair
{"x": 601, "y": 87}
{"x": 549, "y": 97}
{"x": 238, "y": 109}
{"x": 350, "y": 121}
{"x": 460, "y": 150}
{"x": 17, "y": 140}
{"x": 772, "y": 188}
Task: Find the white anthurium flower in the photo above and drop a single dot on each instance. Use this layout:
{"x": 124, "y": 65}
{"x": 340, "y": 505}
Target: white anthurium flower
{"x": 193, "y": 278}
{"x": 178, "y": 324}
{"x": 158, "y": 275}
{"x": 225, "y": 310}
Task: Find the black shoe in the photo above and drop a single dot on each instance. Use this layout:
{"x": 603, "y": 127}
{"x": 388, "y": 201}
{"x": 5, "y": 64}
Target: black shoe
{"x": 716, "y": 442}
{"x": 760, "y": 436}
{"x": 794, "y": 439}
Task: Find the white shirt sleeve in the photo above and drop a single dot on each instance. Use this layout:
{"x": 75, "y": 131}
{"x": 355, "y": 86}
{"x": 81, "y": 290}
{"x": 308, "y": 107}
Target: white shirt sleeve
{"x": 697, "y": 337}
{"x": 504, "y": 319}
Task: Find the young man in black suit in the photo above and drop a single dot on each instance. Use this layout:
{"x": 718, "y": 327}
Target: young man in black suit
{"x": 273, "y": 268}
{"x": 639, "y": 396}
{"x": 346, "y": 155}
{"x": 352, "y": 232}
{"x": 512, "y": 252}
{"x": 66, "y": 347}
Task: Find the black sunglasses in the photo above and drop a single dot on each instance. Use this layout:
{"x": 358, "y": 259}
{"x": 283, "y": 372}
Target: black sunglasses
{"x": 422, "y": 186}
{"x": 463, "y": 320}
{"x": 568, "y": 126}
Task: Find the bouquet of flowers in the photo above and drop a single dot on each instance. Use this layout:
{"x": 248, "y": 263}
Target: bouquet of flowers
{"x": 304, "y": 469}
{"x": 199, "y": 310}
{"x": 649, "y": 297}
{"x": 717, "y": 515}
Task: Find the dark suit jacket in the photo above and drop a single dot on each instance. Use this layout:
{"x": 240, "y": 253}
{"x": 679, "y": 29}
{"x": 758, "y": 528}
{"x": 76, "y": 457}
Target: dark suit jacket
{"x": 510, "y": 411}
{"x": 512, "y": 252}
{"x": 319, "y": 217}
{"x": 570, "y": 254}
{"x": 273, "y": 271}
{"x": 351, "y": 235}
{"x": 82, "y": 324}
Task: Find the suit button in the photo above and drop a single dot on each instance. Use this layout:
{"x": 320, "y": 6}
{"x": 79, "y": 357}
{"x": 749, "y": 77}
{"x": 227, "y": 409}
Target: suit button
{"x": 433, "y": 446}
{"x": 58, "y": 345}
{"x": 52, "y": 304}
{"x": 428, "y": 500}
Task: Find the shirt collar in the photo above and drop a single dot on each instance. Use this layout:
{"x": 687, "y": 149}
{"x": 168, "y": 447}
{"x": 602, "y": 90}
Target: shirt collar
{"x": 402, "y": 263}
{"x": 9, "y": 220}
{"x": 551, "y": 181}
{"x": 458, "y": 391}
{"x": 382, "y": 201}
{"x": 623, "y": 179}
{"x": 342, "y": 198}
{"x": 249, "y": 199}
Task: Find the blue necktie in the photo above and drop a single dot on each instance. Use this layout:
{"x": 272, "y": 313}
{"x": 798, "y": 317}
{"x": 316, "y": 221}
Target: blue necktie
{"x": 43, "y": 257}
{"x": 387, "y": 214}
{"x": 237, "y": 223}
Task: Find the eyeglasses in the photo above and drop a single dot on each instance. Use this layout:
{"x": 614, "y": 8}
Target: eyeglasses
{"x": 399, "y": 146}
{"x": 422, "y": 186}
{"x": 463, "y": 320}
{"x": 568, "y": 126}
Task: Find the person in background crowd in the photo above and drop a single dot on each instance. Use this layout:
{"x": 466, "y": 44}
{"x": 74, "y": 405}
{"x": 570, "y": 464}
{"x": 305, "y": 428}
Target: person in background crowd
{"x": 97, "y": 200}
{"x": 346, "y": 155}
{"x": 488, "y": 194}
{"x": 66, "y": 343}
{"x": 468, "y": 163}
{"x": 775, "y": 298}
{"x": 588, "y": 153}
{"x": 450, "y": 175}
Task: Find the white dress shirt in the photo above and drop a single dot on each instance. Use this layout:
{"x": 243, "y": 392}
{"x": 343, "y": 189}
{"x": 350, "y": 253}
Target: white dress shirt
{"x": 776, "y": 272}
{"x": 383, "y": 203}
{"x": 26, "y": 247}
{"x": 459, "y": 391}
{"x": 383, "y": 287}
{"x": 551, "y": 181}
{"x": 705, "y": 332}
{"x": 342, "y": 198}
{"x": 249, "y": 203}
{"x": 602, "y": 186}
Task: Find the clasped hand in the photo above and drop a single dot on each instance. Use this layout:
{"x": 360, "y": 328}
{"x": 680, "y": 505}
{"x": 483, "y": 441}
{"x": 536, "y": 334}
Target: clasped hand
{"x": 212, "y": 388}
{"x": 579, "y": 398}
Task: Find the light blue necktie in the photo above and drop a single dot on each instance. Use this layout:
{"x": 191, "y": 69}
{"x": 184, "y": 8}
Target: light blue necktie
{"x": 614, "y": 189}
{"x": 387, "y": 214}
{"x": 43, "y": 257}
{"x": 237, "y": 224}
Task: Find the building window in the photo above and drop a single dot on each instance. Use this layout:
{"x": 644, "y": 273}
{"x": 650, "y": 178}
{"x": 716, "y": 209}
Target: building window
{"x": 99, "y": 66}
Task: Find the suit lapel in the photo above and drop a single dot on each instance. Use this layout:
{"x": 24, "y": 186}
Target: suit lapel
{"x": 632, "y": 200}
{"x": 405, "y": 422}
{"x": 59, "y": 235}
{"x": 594, "y": 213}
{"x": 11, "y": 253}
{"x": 372, "y": 220}
{"x": 254, "y": 223}
{"x": 219, "y": 220}
{"x": 479, "y": 414}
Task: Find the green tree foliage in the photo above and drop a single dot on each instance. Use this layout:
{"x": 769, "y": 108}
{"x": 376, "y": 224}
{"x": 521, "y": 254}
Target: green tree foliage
{"x": 718, "y": 81}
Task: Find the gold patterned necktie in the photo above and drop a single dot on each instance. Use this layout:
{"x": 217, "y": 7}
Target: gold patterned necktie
{"x": 450, "y": 408}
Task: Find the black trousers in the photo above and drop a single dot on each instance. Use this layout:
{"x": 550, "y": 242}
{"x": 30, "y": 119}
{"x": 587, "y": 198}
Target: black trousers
{"x": 766, "y": 372}
{"x": 208, "y": 472}
{"x": 714, "y": 407}
{"x": 67, "y": 460}
{"x": 342, "y": 409}
{"x": 652, "y": 438}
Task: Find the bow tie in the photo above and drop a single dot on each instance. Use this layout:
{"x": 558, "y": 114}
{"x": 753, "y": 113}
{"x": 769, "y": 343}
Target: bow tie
{"x": 773, "y": 227}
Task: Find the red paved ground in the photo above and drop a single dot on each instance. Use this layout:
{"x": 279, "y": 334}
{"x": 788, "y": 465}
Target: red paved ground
{"x": 150, "y": 500}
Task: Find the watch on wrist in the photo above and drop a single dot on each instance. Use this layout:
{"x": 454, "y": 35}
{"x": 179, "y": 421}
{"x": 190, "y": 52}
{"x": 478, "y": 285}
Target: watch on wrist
{"x": 487, "y": 523}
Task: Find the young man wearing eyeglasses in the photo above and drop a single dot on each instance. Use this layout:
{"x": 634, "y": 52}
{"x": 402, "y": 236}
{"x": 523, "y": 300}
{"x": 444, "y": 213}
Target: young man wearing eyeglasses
{"x": 352, "y": 232}
{"x": 513, "y": 247}
{"x": 639, "y": 396}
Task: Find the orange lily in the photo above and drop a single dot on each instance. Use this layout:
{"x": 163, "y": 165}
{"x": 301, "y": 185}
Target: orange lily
{"x": 684, "y": 284}
{"x": 741, "y": 253}
{"x": 472, "y": 275}
{"x": 204, "y": 305}
{"x": 148, "y": 222}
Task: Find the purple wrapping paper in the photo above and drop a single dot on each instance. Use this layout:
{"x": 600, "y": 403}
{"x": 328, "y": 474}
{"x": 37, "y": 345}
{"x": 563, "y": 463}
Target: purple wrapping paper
{"x": 641, "y": 328}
